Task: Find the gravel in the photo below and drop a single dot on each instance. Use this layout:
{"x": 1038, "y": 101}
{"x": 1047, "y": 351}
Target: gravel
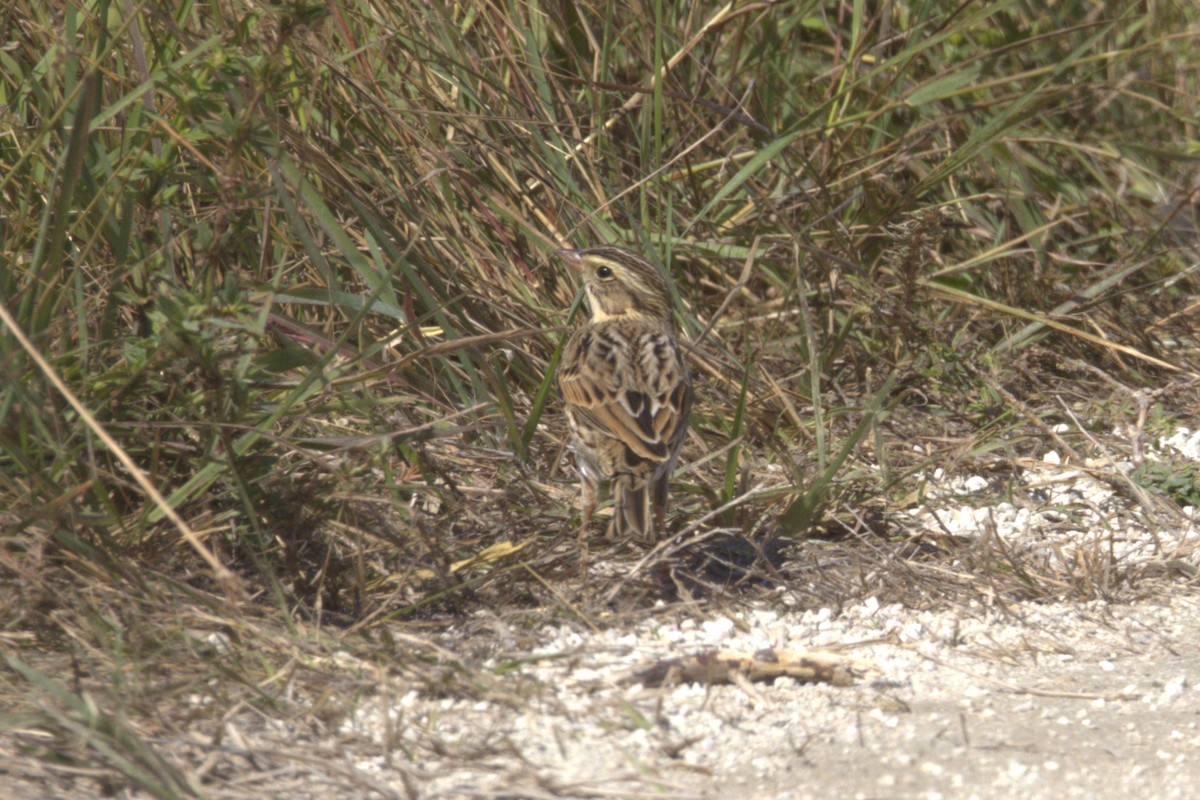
{"x": 1055, "y": 700}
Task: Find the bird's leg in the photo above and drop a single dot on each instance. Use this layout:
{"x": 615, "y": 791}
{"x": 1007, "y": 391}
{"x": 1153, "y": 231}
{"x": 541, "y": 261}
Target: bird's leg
{"x": 658, "y": 499}
{"x": 588, "y": 502}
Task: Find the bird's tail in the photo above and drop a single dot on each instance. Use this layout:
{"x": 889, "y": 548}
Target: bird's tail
{"x": 631, "y": 509}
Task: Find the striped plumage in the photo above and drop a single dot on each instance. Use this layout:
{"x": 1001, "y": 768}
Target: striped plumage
{"x": 626, "y": 388}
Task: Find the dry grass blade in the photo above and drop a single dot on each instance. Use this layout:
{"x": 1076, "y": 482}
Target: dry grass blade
{"x": 114, "y": 741}
{"x": 281, "y": 328}
{"x": 219, "y": 570}
{"x": 1048, "y": 322}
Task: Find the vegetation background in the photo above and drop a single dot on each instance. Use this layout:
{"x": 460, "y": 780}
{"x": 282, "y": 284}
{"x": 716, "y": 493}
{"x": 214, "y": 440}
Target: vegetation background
{"x": 280, "y": 314}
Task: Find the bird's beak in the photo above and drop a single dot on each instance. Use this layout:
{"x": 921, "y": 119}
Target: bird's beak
{"x": 572, "y": 257}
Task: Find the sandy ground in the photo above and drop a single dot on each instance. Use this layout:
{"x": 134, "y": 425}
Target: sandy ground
{"x": 987, "y": 700}
{"x": 1048, "y": 701}
{"x": 1033, "y": 701}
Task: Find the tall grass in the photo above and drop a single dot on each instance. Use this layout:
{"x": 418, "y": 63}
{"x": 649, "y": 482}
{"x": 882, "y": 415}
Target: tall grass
{"x": 281, "y": 314}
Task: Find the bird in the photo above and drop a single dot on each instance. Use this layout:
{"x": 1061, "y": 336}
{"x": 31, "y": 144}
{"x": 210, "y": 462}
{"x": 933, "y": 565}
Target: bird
{"x": 626, "y": 389}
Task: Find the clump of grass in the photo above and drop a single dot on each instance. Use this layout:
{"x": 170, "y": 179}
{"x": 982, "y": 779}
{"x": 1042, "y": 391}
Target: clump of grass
{"x": 291, "y": 261}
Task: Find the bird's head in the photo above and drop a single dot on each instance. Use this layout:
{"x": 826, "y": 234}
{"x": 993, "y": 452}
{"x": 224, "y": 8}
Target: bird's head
{"x": 620, "y": 283}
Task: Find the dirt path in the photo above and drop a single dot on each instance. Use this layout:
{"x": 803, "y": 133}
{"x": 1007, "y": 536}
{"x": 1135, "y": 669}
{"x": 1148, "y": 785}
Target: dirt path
{"x": 1049, "y": 701}
{"x": 1068, "y": 700}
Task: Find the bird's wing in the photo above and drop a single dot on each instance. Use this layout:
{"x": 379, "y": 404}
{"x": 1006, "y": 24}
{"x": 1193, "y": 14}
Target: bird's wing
{"x": 628, "y": 381}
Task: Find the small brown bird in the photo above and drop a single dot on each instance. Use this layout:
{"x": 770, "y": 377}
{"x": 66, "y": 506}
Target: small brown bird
{"x": 627, "y": 390}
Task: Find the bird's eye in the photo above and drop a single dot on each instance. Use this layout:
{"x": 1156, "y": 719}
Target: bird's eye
{"x": 604, "y": 272}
